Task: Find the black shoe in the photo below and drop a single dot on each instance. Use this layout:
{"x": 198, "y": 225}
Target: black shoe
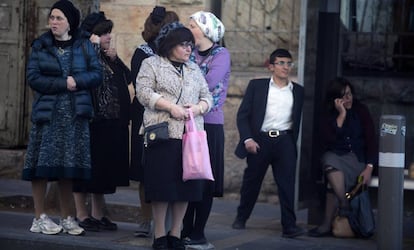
{"x": 314, "y": 232}
{"x": 175, "y": 243}
{"x": 238, "y": 224}
{"x": 160, "y": 243}
{"x": 89, "y": 224}
{"x": 293, "y": 232}
{"x": 105, "y": 224}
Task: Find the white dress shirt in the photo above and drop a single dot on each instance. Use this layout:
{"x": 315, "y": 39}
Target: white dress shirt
{"x": 279, "y": 107}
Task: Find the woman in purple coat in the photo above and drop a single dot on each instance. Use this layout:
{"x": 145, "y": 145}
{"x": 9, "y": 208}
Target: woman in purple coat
{"x": 214, "y": 62}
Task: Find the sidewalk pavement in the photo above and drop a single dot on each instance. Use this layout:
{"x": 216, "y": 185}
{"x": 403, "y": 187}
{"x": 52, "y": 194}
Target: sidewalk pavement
{"x": 263, "y": 229}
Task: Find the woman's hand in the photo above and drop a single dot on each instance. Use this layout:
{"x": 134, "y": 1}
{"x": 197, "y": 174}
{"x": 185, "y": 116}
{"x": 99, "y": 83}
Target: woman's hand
{"x": 339, "y": 105}
{"x": 95, "y": 39}
{"x": 111, "y": 53}
{"x": 71, "y": 84}
{"x": 195, "y": 108}
{"x": 178, "y": 112}
{"x": 367, "y": 173}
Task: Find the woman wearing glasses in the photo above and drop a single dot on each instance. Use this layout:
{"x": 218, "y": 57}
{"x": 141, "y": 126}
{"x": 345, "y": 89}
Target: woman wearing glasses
{"x": 350, "y": 149}
{"x": 167, "y": 85}
{"x": 154, "y": 22}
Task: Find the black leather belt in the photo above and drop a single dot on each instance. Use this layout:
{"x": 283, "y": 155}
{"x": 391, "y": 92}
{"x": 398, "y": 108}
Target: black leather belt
{"x": 275, "y": 133}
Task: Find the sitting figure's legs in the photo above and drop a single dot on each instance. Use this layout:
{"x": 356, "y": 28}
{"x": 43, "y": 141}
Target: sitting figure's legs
{"x": 335, "y": 196}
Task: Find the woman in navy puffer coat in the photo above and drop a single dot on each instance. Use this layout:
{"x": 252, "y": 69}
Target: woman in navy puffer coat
{"x": 62, "y": 69}
{"x": 45, "y": 76}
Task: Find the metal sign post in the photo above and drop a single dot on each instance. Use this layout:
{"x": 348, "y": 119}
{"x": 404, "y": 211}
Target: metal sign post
{"x": 391, "y": 182}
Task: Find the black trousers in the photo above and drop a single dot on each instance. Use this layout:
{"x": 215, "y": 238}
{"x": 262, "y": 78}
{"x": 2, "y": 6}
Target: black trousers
{"x": 281, "y": 154}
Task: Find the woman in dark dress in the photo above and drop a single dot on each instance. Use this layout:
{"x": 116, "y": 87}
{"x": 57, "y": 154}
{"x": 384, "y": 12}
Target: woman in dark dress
{"x": 109, "y": 129}
{"x": 350, "y": 149}
{"x": 61, "y": 70}
{"x": 158, "y": 18}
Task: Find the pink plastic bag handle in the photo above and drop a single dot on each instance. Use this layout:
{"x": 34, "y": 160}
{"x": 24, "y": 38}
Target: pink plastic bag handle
{"x": 190, "y": 124}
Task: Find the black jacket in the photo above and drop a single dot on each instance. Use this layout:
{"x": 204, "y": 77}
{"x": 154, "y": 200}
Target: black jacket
{"x": 45, "y": 76}
{"x": 252, "y": 111}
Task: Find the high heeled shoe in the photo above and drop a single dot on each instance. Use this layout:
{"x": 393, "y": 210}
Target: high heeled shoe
{"x": 314, "y": 232}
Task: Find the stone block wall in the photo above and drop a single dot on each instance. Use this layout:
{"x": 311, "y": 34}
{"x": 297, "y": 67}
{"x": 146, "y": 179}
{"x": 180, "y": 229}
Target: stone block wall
{"x": 255, "y": 28}
{"x": 129, "y": 17}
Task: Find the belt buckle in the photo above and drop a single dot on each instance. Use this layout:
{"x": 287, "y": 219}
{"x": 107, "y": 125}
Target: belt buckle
{"x": 273, "y": 133}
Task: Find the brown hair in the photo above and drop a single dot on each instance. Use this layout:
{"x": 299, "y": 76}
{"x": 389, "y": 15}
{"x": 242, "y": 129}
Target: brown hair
{"x": 174, "y": 37}
{"x": 151, "y": 29}
{"x": 103, "y": 27}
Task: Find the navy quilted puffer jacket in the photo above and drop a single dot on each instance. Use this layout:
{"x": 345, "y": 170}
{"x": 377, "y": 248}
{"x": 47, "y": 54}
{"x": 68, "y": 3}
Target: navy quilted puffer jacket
{"x": 45, "y": 76}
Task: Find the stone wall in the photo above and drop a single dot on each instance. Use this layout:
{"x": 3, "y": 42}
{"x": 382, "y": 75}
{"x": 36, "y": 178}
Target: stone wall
{"x": 129, "y": 17}
{"x": 255, "y": 28}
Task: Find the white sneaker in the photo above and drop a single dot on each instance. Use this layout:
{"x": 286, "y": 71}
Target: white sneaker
{"x": 71, "y": 226}
{"x": 45, "y": 225}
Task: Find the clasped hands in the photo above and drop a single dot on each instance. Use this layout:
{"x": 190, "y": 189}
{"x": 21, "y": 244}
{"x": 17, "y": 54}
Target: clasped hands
{"x": 181, "y": 113}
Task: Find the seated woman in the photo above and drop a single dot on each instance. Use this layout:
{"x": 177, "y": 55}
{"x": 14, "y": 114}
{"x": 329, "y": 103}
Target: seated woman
{"x": 350, "y": 149}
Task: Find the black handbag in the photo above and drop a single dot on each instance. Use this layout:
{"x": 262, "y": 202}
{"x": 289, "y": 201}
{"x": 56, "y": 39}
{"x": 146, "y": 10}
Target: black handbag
{"x": 155, "y": 134}
{"x": 361, "y": 218}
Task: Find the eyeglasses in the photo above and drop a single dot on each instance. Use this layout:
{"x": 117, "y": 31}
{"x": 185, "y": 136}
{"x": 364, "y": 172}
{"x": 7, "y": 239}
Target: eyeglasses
{"x": 57, "y": 18}
{"x": 283, "y": 63}
{"x": 187, "y": 44}
{"x": 347, "y": 94}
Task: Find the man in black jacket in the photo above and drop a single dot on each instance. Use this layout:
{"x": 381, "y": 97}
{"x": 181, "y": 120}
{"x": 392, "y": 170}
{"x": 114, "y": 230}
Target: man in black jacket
{"x": 268, "y": 121}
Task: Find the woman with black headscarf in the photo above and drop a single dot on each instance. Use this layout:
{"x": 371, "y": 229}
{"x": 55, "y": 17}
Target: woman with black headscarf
{"x": 62, "y": 69}
{"x": 109, "y": 129}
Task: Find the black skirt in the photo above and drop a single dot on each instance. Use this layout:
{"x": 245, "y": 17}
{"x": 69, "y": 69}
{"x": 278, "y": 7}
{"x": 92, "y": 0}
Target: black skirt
{"x": 136, "y": 169}
{"x": 110, "y": 158}
{"x": 215, "y": 138}
{"x": 163, "y": 173}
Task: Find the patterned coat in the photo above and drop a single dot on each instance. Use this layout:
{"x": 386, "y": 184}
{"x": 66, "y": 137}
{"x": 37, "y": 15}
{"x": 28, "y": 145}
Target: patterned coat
{"x": 158, "y": 78}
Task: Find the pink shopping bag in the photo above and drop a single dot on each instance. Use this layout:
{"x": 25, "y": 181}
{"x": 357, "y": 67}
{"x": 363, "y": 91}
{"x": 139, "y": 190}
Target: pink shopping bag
{"x": 196, "y": 157}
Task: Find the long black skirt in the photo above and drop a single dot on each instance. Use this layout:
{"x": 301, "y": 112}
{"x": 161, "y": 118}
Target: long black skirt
{"x": 110, "y": 158}
{"x": 215, "y": 138}
{"x": 163, "y": 173}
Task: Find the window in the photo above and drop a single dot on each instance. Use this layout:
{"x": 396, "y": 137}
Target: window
{"x": 377, "y": 37}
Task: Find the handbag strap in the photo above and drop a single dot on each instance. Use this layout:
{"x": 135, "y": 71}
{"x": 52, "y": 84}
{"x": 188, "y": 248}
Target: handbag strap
{"x": 179, "y": 96}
